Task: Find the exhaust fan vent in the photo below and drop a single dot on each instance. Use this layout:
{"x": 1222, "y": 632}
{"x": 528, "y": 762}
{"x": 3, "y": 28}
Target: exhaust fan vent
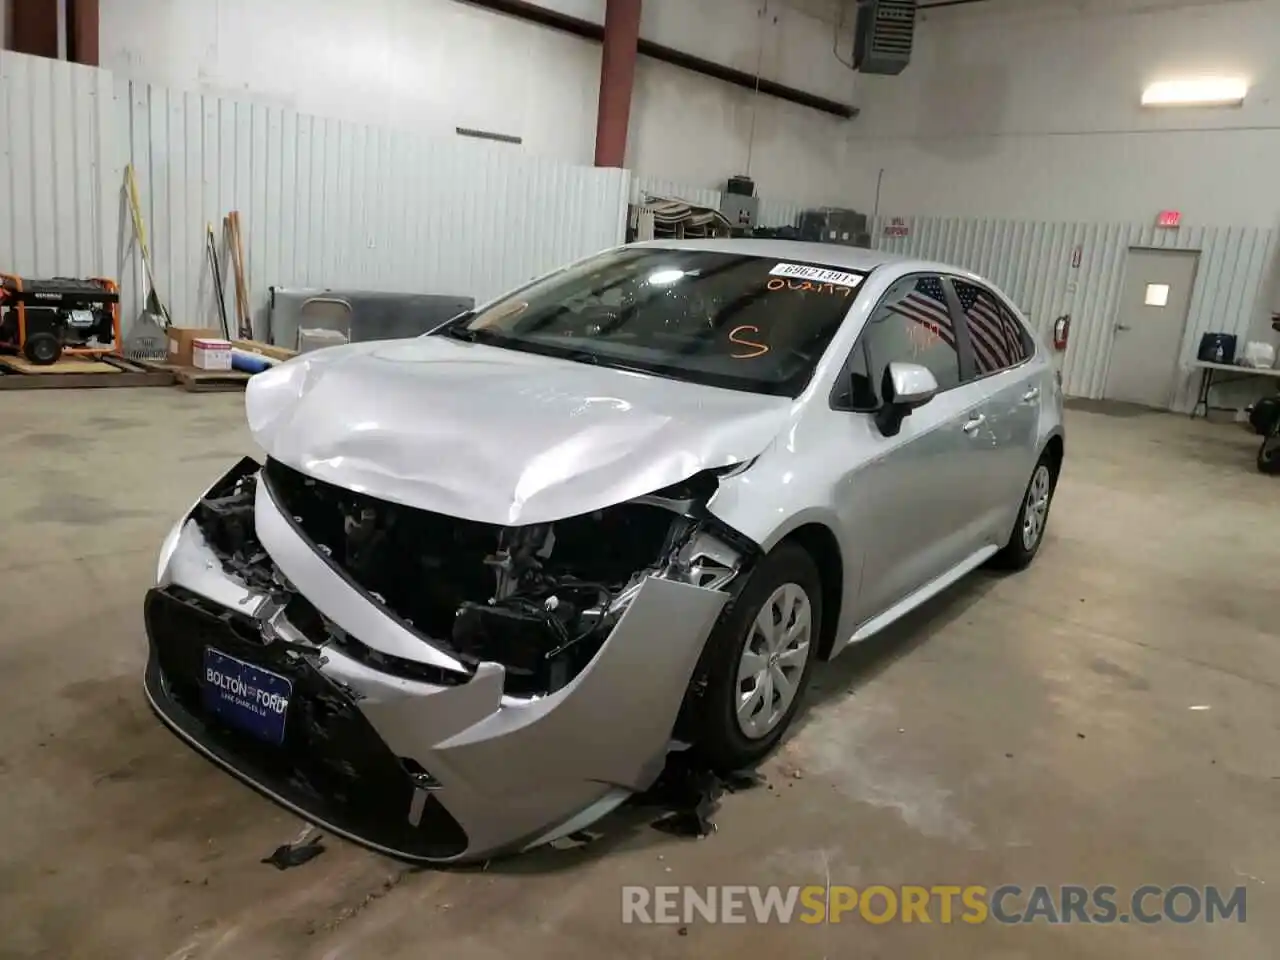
{"x": 885, "y": 34}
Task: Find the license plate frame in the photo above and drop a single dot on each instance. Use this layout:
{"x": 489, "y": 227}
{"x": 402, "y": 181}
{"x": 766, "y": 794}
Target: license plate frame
{"x": 246, "y": 696}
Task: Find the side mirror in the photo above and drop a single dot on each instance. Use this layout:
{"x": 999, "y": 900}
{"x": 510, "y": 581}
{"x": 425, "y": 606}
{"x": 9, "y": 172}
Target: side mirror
{"x": 909, "y": 385}
{"x": 905, "y": 387}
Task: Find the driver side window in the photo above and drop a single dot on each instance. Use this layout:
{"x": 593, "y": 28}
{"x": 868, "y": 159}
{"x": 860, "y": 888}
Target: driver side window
{"x": 912, "y": 324}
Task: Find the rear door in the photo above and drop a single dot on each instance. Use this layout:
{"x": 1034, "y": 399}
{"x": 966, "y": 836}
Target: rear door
{"x": 1003, "y": 371}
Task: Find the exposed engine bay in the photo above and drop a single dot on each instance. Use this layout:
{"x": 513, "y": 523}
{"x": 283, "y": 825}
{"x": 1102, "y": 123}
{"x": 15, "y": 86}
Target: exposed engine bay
{"x": 539, "y": 599}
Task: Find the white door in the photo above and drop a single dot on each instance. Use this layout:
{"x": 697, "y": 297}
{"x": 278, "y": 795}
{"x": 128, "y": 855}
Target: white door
{"x": 918, "y": 493}
{"x": 1149, "y": 326}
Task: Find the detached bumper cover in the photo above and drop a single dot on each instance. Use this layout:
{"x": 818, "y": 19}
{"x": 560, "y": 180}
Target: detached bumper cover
{"x": 332, "y": 767}
{"x": 425, "y": 772}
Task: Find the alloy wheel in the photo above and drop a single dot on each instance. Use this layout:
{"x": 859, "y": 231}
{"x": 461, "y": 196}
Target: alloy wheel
{"x": 1036, "y": 511}
{"x": 773, "y": 660}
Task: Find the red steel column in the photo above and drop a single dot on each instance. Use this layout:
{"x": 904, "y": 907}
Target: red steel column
{"x": 33, "y": 27}
{"x": 82, "y": 31}
{"x": 617, "y": 77}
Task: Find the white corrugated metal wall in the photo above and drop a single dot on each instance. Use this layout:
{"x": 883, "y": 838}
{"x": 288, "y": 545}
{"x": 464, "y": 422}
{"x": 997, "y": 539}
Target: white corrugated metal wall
{"x": 779, "y": 213}
{"x": 322, "y": 203}
{"x": 57, "y": 196}
{"x": 329, "y": 203}
{"x": 1032, "y": 263}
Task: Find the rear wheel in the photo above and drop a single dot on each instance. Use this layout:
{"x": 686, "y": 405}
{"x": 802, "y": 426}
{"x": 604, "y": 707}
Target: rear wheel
{"x": 1033, "y": 517}
{"x": 756, "y": 666}
{"x": 1269, "y": 454}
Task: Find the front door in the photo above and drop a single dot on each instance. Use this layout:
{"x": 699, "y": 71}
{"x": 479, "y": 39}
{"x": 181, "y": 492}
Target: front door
{"x": 1150, "y": 324}
{"x": 915, "y": 496}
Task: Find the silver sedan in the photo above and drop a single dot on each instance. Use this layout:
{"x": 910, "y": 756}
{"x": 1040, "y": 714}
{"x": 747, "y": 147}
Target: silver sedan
{"x": 483, "y": 581}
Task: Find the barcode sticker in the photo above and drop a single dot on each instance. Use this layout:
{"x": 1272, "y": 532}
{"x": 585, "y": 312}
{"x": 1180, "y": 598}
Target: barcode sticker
{"x": 800, "y": 271}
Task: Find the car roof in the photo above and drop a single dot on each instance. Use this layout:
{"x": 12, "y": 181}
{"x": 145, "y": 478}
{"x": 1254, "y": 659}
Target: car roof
{"x": 827, "y": 254}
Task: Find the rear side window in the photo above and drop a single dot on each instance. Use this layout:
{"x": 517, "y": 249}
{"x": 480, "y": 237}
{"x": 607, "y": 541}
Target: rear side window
{"x": 997, "y": 338}
{"x": 911, "y": 325}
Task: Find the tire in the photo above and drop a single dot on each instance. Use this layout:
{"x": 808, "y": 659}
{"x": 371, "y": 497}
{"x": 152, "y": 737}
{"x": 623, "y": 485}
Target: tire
{"x": 1269, "y": 454}
{"x": 1265, "y": 415}
{"x": 1023, "y": 543}
{"x": 717, "y": 734}
{"x": 42, "y": 349}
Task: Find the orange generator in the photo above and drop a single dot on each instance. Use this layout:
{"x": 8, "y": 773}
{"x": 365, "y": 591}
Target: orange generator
{"x": 45, "y": 319}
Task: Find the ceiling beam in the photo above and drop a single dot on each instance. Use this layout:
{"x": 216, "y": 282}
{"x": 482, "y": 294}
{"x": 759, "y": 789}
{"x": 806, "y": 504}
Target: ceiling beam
{"x": 946, "y": 3}
{"x": 535, "y": 13}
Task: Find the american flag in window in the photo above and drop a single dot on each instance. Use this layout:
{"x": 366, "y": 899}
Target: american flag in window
{"x": 996, "y": 342}
{"x": 926, "y": 307}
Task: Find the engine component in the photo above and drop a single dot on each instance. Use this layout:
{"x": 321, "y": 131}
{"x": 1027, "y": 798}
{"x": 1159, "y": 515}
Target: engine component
{"x": 225, "y": 517}
{"x": 43, "y": 319}
{"x": 521, "y": 637}
{"x": 518, "y": 558}
{"x": 538, "y": 599}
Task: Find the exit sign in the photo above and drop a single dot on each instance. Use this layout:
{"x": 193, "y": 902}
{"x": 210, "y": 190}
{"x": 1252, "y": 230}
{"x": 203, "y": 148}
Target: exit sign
{"x": 1169, "y": 219}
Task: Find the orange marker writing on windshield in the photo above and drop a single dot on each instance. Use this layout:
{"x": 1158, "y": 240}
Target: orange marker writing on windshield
{"x": 757, "y": 349}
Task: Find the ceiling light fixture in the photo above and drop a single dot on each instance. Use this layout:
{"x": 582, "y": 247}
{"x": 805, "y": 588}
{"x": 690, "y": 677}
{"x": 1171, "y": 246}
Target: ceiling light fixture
{"x": 1198, "y": 92}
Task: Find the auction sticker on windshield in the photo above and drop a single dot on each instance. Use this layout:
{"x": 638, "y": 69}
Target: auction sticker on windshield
{"x": 802, "y": 271}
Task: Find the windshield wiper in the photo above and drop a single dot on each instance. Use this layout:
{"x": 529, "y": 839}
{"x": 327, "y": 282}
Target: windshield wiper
{"x": 586, "y": 356}
{"x": 457, "y": 329}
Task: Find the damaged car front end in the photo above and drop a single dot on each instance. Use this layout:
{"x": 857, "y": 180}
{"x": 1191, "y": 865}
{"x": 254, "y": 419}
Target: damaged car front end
{"x": 438, "y": 688}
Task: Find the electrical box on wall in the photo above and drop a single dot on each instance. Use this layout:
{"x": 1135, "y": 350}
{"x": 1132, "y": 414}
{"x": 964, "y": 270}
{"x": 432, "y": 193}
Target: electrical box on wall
{"x": 884, "y": 36}
{"x": 740, "y": 211}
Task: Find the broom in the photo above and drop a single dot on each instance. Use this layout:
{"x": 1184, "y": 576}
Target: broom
{"x": 147, "y": 339}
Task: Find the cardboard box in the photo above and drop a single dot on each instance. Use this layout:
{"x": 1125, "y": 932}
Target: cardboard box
{"x": 181, "y": 340}
{"x": 211, "y": 353}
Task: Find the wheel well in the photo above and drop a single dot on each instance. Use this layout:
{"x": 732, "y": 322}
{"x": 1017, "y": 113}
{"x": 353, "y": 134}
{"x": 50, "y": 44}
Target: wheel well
{"x": 1054, "y": 450}
{"x": 820, "y": 543}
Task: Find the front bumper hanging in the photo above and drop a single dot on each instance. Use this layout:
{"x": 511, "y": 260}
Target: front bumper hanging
{"x": 432, "y": 768}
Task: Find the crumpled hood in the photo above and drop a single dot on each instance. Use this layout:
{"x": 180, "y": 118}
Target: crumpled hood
{"x": 497, "y": 436}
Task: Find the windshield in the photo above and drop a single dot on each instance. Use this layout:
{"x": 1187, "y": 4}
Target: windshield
{"x": 723, "y": 319}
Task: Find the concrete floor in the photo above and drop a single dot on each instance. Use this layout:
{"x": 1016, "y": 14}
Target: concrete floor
{"x": 1035, "y": 729}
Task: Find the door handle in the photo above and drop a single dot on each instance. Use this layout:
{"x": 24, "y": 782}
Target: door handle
{"x": 972, "y": 426}
{"x": 1030, "y": 395}
{"x": 1122, "y": 326}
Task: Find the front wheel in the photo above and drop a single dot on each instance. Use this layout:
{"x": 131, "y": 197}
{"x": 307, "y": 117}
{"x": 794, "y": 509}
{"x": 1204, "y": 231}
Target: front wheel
{"x": 42, "y": 349}
{"x": 757, "y": 662}
{"x": 1033, "y": 517}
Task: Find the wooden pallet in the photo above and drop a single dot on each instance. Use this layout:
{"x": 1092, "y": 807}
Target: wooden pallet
{"x": 18, "y": 373}
{"x": 210, "y": 381}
